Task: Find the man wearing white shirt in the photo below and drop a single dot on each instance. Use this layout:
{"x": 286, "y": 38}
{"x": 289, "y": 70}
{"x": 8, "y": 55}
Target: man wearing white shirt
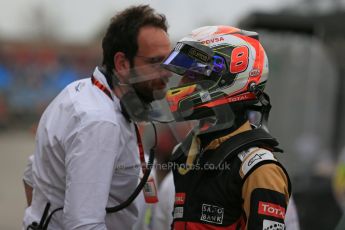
{"x": 87, "y": 152}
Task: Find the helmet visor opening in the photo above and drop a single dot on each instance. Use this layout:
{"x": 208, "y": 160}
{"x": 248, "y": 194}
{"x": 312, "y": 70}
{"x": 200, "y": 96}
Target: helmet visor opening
{"x": 187, "y": 58}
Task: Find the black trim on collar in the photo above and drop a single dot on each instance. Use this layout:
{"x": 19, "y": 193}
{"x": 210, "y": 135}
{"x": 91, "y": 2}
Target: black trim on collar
{"x": 240, "y": 142}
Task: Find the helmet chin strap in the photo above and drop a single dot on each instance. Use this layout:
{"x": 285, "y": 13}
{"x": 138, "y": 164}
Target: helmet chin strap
{"x": 265, "y": 107}
{"x": 265, "y": 110}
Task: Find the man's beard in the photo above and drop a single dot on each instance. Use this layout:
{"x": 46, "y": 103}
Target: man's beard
{"x": 147, "y": 95}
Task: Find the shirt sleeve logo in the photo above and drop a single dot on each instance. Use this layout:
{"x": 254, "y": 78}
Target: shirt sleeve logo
{"x": 79, "y": 86}
{"x": 269, "y": 209}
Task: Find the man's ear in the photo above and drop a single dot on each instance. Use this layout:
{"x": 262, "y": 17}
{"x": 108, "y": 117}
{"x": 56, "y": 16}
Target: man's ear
{"x": 121, "y": 64}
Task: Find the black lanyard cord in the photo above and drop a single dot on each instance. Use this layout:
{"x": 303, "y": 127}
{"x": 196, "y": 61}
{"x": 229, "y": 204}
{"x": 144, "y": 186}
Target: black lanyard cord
{"x": 142, "y": 181}
{"x": 43, "y": 225}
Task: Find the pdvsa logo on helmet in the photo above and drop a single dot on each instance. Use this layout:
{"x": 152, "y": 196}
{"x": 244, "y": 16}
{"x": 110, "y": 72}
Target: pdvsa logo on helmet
{"x": 212, "y": 40}
{"x": 269, "y": 209}
{"x": 198, "y": 54}
{"x": 212, "y": 214}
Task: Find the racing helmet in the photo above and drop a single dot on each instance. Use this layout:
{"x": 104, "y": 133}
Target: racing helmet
{"x": 218, "y": 65}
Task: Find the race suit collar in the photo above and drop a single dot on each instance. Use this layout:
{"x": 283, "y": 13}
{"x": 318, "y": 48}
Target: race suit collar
{"x": 222, "y": 136}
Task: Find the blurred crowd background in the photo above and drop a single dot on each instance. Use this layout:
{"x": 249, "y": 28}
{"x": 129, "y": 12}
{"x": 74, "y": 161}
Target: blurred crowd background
{"x": 305, "y": 43}
{"x": 33, "y": 73}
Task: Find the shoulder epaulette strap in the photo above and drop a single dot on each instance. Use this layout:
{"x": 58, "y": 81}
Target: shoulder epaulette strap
{"x": 229, "y": 149}
{"x": 253, "y": 157}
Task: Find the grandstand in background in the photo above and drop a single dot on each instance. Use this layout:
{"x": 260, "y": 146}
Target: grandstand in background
{"x": 32, "y": 74}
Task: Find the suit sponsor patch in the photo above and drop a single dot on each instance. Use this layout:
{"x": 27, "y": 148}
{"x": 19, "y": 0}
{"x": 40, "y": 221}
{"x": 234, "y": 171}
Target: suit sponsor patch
{"x": 255, "y": 158}
{"x": 180, "y": 198}
{"x": 270, "y": 209}
{"x": 178, "y": 212}
{"x": 245, "y": 153}
{"x": 272, "y": 225}
{"x": 212, "y": 214}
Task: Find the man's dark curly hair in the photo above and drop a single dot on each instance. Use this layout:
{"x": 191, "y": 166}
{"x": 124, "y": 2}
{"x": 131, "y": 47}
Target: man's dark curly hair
{"x": 122, "y": 34}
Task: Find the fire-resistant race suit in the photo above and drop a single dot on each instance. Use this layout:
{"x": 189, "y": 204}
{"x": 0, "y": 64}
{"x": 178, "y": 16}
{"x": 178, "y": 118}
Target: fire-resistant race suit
{"x": 229, "y": 181}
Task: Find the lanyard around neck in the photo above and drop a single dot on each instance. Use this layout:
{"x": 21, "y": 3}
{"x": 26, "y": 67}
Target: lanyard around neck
{"x": 102, "y": 87}
{"x": 105, "y": 90}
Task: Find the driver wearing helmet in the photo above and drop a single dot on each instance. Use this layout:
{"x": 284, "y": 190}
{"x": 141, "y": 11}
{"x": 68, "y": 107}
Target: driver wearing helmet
{"x": 225, "y": 172}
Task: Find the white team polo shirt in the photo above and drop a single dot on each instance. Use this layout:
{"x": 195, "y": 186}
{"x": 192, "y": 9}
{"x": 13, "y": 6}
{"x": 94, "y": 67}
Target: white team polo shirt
{"x": 86, "y": 158}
